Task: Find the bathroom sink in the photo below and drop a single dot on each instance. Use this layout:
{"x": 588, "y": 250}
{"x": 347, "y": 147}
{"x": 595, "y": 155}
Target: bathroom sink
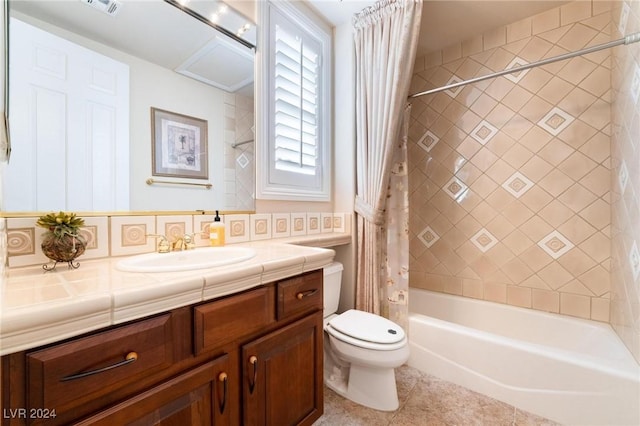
{"x": 200, "y": 258}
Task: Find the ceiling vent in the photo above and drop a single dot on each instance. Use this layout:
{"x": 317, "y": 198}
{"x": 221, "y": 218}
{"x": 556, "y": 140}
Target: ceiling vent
{"x": 110, "y": 7}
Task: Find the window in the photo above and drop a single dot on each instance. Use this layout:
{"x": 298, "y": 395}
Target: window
{"x": 295, "y": 155}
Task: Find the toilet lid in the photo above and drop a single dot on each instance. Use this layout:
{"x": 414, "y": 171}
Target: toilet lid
{"x": 366, "y": 326}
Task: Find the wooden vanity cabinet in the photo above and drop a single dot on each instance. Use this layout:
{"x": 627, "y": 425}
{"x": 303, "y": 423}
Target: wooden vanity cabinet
{"x": 251, "y": 358}
{"x": 282, "y": 375}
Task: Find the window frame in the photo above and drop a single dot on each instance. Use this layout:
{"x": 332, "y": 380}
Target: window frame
{"x": 275, "y": 184}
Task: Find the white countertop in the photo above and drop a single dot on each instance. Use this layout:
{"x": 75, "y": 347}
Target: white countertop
{"x": 38, "y": 307}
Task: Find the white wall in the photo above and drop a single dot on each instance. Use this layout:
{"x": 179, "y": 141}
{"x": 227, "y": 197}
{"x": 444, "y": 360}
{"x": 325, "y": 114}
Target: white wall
{"x": 344, "y": 151}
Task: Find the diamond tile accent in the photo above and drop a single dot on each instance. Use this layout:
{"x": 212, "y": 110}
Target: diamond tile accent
{"x": 623, "y": 176}
{"x": 484, "y": 240}
{"x": 634, "y": 260}
{"x": 428, "y": 236}
{"x": 555, "y": 121}
{"x": 455, "y": 188}
{"x": 516, "y": 62}
{"x": 483, "y": 132}
{"x": 555, "y": 244}
{"x": 456, "y": 91}
{"x": 635, "y": 84}
{"x": 428, "y": 141}
{"x": 242, "y": 160}
{"x": 517, "y": 184}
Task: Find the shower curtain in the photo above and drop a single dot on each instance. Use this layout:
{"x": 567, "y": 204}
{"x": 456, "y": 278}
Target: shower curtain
{"x": 385, "y": 45}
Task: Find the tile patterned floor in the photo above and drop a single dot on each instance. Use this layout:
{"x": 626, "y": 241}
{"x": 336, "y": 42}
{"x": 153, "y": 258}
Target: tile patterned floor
{"x": 427, "y": 400}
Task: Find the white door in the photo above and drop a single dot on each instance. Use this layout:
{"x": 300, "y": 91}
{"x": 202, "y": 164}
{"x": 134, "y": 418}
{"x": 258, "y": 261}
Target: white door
{"x": 69, "y": 123}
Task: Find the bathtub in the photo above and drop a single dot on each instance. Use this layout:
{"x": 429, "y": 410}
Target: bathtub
{"x": 572, "y": 371}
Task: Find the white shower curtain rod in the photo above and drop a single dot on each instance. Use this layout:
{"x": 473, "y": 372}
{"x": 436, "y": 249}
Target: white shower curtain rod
{"x": 631, "y": 38}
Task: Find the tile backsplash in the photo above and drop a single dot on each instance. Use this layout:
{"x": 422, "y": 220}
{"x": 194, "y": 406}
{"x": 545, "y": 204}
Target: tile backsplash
{"x": 509, "y": 178}
{"x": 129, "y": 235}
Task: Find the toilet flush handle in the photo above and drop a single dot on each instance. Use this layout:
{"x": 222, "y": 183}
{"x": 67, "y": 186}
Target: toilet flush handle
{"x": 301, "y": 295}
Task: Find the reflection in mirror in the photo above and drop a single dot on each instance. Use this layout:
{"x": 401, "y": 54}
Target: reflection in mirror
{"x": 82, "y": 83}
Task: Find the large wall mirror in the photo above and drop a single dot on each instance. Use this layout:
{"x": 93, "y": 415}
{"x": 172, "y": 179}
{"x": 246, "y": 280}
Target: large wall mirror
{"x": 130, "y": 105}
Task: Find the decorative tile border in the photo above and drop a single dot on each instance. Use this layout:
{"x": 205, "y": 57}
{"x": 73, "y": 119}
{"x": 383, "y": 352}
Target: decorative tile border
{"x": 313, "y": 223}
{"x": 174, "y": 227}
{"x": 201, "y": 225}
{"x": 298, "y": 224}
{"x": 96, "y": 233}
{"x": 23, "y": 242}
{"x": 281, "y": 225}
{"x": 237, "y": 228}
{"x": 130, "y": 235}
{"x": 260, "y": 225}
{"x": 339, "y": 224}
{"x": 326, "y": 220}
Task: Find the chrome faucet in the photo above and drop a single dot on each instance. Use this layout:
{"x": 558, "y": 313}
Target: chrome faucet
{"x": 163, "y": 244}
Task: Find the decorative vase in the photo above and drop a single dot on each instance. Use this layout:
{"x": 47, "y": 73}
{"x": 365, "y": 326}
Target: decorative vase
{"x": 64, "y": 248}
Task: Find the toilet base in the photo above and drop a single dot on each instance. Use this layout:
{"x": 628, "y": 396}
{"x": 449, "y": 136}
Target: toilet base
{"x": 372, "y": 387}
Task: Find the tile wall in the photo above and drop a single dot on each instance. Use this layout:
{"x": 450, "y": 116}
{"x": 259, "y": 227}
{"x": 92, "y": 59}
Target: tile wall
{"x": 239, "y": 166}
{"x": 510, "y": 178}
{"x": 625, "y": 179}
{"x": 129, "y": 235}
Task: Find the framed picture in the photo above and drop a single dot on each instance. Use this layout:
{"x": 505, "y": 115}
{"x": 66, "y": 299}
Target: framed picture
{"x": 179, "y": 145}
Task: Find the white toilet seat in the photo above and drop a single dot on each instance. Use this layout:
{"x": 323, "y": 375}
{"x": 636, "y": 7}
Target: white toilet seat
{"x": 367, "y": 331}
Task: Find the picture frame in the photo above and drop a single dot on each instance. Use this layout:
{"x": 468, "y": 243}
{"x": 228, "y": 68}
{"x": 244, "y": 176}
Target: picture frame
{"x": 179, "y": 146}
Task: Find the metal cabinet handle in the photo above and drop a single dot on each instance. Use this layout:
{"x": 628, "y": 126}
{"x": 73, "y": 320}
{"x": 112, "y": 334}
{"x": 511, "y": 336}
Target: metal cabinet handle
{"x": 128, "y": 359}
{"x": 307, "y": 293}
{"x": 252, "y": 384}
{"x": 222, "y": 377}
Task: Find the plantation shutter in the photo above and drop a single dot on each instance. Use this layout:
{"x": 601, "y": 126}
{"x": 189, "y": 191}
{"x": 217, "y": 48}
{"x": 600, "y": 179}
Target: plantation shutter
{"x": 296, "y": 134}
{"x": 296, "y": 97}
{"x": 295, "y": 158}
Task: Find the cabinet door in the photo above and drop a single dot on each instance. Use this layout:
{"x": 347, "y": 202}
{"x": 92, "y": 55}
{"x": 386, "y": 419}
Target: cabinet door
{"x": 282, "y": 375}
{"x": 197, "y": 397}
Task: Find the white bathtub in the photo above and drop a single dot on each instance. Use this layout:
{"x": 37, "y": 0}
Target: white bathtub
{"x": 572, "y": 371}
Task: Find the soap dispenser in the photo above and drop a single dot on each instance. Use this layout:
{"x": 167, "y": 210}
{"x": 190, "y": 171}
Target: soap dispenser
{"x": 216, "y": 232}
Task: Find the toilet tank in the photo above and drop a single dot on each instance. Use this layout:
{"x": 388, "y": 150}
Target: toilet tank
{"x": 331, "y": 290}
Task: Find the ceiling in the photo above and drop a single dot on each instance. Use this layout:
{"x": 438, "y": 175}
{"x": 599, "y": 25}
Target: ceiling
{"x": 179, "y": 43}
{"x": 446, "y": 22}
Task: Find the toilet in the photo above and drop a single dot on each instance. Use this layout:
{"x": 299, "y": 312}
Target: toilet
{"x": 361, "y": 350}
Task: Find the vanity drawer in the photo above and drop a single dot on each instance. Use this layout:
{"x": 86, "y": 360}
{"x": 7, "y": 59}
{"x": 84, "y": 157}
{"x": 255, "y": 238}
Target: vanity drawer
{"x": 69, "y": 376}
{"x": 300, "y": 294}
{"x": 233, "y": 318}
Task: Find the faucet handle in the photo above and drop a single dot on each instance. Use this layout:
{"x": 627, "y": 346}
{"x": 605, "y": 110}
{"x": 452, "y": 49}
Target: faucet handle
{"x": 163, "y": 244}
{"x": 189, "y": 241}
